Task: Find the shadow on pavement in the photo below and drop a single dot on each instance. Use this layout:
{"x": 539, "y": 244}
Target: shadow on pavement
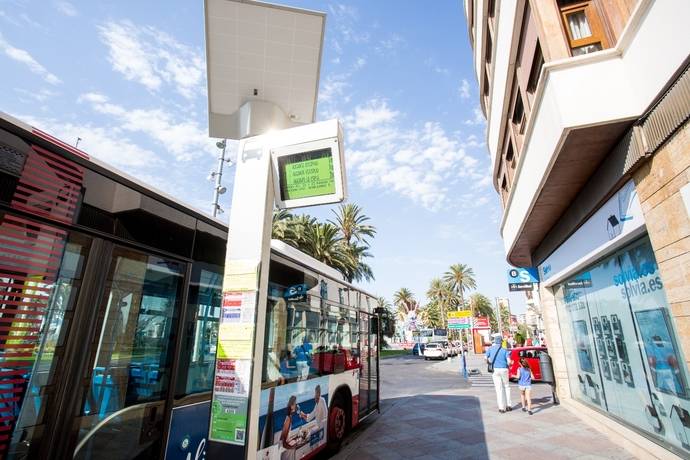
{"x": 421, "y": 427}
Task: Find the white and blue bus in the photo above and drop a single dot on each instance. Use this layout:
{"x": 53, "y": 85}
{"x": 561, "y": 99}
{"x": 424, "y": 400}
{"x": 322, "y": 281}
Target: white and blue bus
{"x": 110, "y": 298}
{"x": 432, "y": 335}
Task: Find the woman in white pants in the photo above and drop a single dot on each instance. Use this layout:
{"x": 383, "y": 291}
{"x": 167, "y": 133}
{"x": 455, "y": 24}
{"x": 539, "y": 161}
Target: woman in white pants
{"x": 499, "y": 357}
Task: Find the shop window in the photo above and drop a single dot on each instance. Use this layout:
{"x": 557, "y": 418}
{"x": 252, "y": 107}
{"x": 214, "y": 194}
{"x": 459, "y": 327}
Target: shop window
{"x": 583, "y": 27}
{"x": 622, "y": 350}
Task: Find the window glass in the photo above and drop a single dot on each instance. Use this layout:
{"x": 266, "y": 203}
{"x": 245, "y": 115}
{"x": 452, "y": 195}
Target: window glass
{"x": 134, "y": 353}
{"x": 60, "y": 297}
{"x": 623, "y": 355}
{"x": 307, "y": 335}
{"x": 292, "y": 325}
{"x": 579, "y": 50}
{"x": 578, "y": 25}
{"x": 198, "y": 355}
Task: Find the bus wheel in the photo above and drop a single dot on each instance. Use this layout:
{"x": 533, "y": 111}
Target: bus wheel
{"x": 337, "y": 423}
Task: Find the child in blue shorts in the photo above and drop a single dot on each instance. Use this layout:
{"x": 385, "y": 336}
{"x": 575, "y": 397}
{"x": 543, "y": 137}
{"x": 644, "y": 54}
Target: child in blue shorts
{"x": 525, "y": 377}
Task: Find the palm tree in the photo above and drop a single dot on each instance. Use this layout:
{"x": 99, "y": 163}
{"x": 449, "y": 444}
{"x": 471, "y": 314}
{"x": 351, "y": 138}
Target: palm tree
{"x": 431, "y": 315}
{"x": 351, "y": 222}
{"x": 442, "y": 294}
{"x": 281, "y": 222}
{"x": 359, "y": 270}
{"x": 481, "y": 306}
{"x": 404, "y": 300}
{"x": 461, "y": 279}
{"x": 341, "y": 244}
{"x": 322, "y": 242}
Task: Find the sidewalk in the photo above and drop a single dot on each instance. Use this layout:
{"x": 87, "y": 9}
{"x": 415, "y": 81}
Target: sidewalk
{"x": 460, "y": 422}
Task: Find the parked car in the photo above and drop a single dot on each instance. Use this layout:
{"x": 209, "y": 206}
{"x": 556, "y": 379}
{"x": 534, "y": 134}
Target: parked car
{"x": 532, "y": 355}
{"x": 435, "y": 351}
{"x": 450, "y": 348}
{"x": 418, "y": 349}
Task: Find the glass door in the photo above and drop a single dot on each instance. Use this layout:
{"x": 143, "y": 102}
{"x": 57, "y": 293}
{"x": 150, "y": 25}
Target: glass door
{"x": 131, "y": 358}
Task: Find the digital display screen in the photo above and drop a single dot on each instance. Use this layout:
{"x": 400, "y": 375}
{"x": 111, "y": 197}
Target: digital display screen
{"x": 306, "y": 174}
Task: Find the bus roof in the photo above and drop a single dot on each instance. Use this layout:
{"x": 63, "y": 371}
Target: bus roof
{"x": 40, "y": 137}
{"x": 301, "y": 258}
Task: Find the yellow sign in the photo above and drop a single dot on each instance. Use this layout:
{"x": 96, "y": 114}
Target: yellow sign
{"x": 459, "y": 314}
{"x": 241, "y": 275}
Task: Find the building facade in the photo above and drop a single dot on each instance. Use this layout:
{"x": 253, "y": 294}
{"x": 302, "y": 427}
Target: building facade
{"x": 587, "y": 105}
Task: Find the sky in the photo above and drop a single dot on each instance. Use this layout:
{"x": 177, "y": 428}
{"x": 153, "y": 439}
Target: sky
{"x": 129, "y": 79}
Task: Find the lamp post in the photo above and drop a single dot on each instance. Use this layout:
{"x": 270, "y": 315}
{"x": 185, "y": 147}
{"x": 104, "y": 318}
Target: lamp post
{"x": 218, "y": 189}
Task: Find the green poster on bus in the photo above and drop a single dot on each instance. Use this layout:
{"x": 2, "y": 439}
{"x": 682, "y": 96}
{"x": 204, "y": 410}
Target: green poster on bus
{"x": 228, "y": 419}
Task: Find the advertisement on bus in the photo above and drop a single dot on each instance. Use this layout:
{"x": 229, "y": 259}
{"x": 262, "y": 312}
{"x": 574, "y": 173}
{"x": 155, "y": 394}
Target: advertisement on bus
{"x": 293, "y": 419}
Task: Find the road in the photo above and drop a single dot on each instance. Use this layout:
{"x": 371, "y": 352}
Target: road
{"x": 428, "y": 411}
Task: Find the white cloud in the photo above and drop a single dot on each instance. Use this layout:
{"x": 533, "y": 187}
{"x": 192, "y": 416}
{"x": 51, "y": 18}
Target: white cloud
{"x": 390, "y": 44}
{"x": 41, "y": 95}
{"x": 110, "y": 145}
{"x": 478, "y": 117}
{"x": 66, "y": 8}
{"x": 152, "y": 57}
{"x": 185, "y": 139}
{"x": 418, "y": 164}
{"x": 464, "y": 89}
{"x": 23, "y": 57}
{"x": 333, "y": 88}
{"x": 359, "y": 63}
{"x": 346, "y": 17}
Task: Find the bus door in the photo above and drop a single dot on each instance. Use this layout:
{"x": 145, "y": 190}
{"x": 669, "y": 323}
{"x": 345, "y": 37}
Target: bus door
{"x": 368, "y": 382}
{"x": 101, "y": 375}
{"x": 131, "y": 358}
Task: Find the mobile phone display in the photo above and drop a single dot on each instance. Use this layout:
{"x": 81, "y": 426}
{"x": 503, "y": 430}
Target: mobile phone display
{"x": 616, "y": 371}
{"x": 606, "y": 325}
{"x": 606, "y": 369}
{"x": 616, "y": 325}
{"x": 597, "y": 326}
{"x": 622, "y": 351}
{"x": 582, "y": 345}
{"x": 601, "y": 348}
{"x": 660, "y": 348}
{"x": 610, "y": 348}
{"x": 627, "y": 375}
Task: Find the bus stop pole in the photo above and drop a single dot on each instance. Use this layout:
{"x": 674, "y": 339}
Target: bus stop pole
{"x": 245, "y": 283}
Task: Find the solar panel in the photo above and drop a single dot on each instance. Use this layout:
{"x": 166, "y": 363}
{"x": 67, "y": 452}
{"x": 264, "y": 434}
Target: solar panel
{"x": 265, "y": 52}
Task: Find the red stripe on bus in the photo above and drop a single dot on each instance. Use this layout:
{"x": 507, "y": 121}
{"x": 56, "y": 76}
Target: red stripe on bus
{"x": 33, "y": 224}
{"x": 67, "y": 219}
{"x": 58, "y": 164}
{"x": 19, "y": 320}
{"x": 57, "y": 141}
{"x": 59, "y": 158}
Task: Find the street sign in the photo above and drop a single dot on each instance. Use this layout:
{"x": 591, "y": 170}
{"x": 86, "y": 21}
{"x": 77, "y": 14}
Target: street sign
{"x": 459, "y": 314}
{"x": 459, "y": 319}
{"x": 481, "y": 322}
{"x": 522, "y": 279}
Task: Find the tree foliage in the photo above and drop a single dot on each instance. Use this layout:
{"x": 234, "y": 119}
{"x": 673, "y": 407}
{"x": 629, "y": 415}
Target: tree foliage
{"x": 341, "y": 244}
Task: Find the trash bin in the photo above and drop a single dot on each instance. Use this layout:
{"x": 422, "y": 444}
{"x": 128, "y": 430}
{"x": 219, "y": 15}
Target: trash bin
{"x": 546, "y": 368}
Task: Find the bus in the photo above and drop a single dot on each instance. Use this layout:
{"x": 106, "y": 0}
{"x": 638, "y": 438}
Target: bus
{"x": 427, "y": 335}
{"x": 110, "y": 299}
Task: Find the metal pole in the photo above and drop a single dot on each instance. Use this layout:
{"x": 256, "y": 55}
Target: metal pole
{"x": 498, "y": 316}
{"x": 218, "y": 176}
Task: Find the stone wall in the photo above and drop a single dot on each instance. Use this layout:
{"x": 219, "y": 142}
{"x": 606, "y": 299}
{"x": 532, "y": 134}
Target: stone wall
{"x": 554, "y": 341}
{"x": 659, "y": 183}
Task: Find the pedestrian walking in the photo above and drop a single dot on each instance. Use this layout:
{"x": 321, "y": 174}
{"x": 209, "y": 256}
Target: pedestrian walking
{"x": 525, "y": 376}
{"x": 498, "y": 359}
